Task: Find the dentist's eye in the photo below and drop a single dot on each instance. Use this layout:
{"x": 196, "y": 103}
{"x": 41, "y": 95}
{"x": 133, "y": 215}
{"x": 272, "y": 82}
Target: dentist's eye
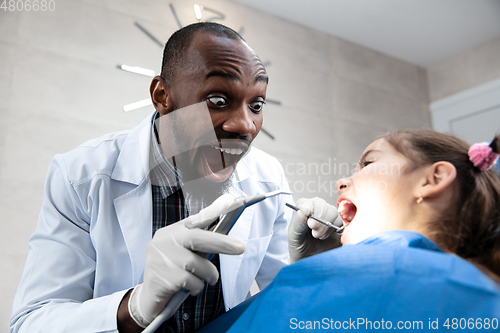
{"x": 218, "y": 101}
{"x": 257, "y": 106}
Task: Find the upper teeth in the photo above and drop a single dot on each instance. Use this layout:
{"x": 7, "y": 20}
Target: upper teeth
{"x": 233, "y": 151}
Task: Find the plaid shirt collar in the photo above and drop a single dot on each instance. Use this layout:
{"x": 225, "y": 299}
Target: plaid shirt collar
{"x": 162, "y": 172}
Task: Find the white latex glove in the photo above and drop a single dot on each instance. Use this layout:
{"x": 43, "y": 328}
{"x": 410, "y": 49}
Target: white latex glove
{"x": 172, "y": 264}
{"x": 306, "y": 236}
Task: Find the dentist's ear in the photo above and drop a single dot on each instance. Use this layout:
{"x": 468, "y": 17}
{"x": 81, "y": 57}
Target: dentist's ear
{"x": 160, "y": 95}
{"x": 437, "y": 180}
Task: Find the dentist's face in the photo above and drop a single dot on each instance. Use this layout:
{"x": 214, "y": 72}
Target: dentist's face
{"x": 228, "y": 76}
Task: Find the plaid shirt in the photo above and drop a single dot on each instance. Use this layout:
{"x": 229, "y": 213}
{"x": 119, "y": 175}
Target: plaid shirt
{"x": 169, "y": 206}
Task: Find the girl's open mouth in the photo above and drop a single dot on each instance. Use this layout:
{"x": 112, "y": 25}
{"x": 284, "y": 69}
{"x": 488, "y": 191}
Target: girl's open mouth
{"x": 347, "y": 211}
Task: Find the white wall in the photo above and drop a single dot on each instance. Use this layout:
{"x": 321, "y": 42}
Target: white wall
{"x": 465, "y": 71}
{"x": 59, "y": 86}
{"x": 465, "y": 93}
{"x": 473, "y": 115}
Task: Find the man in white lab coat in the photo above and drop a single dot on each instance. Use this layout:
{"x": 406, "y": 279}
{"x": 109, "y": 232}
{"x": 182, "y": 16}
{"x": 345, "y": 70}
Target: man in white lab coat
{"x": 113, "y": 241}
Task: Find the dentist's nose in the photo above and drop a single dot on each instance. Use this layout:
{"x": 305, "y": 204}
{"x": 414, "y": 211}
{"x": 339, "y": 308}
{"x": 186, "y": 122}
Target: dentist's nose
{"x": 241, "y": 122}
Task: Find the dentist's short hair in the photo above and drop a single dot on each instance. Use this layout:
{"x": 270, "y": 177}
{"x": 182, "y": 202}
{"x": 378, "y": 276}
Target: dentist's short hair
{"x": 178, "y": 44}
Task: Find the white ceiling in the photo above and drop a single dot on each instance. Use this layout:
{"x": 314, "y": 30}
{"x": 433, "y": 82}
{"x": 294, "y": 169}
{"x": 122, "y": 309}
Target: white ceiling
{"x": 423, "y": 32}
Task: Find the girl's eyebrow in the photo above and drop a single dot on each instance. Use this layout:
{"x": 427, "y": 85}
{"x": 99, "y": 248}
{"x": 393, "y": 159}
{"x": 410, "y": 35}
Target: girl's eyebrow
{"x": 366, "y": 153}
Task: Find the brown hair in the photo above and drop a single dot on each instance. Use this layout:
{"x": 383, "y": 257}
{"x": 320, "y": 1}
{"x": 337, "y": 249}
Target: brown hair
{"x": 471, "y": 226}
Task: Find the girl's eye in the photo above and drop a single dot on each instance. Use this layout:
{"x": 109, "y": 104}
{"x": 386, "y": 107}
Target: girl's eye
{"x": 364, "y": 164}
{"x": 218, "y": 101}
{"x": 257, "y": 106}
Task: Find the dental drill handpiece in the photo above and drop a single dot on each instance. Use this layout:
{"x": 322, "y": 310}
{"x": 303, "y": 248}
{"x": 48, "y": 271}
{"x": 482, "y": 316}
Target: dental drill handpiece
{"x": 226, "y": 222}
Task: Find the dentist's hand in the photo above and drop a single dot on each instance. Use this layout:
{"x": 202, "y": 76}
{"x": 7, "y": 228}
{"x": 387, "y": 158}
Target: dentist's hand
{"x": 173, "y": 264}
{"x": 306, "y": 236}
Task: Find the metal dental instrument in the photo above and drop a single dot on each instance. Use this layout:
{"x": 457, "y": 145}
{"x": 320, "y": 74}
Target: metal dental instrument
{"x": 328, "y": 224}
{"x": 223, "y": 226}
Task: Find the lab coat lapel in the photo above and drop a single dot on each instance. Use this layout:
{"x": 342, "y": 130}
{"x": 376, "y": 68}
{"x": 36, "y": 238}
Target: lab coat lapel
{"x": 134, "y": 208}
{"x": 231, "y": 265}
{"x": 132, "y": 164}
{"x": 134, "y": 212}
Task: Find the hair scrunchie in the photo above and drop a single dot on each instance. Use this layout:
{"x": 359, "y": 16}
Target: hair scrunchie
{"x": 482, "y": 155}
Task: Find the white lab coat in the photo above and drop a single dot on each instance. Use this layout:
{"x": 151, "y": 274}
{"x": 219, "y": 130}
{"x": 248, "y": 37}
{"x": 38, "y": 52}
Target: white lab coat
{"x": 89, "y": 247}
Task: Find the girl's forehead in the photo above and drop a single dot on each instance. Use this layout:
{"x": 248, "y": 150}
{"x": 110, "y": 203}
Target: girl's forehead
{"x": 379, "y": 144}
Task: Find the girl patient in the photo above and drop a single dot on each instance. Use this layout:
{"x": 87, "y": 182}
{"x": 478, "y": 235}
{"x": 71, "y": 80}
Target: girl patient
{"x": 421, "y": 245}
